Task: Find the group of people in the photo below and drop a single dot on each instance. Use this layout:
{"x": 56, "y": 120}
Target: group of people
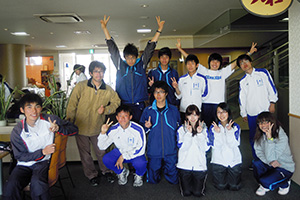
{"x": 186, "y": 117}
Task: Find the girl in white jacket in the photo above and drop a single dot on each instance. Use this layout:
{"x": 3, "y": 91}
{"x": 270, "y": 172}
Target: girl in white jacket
{"x": 192, "y": 140}
{"x": 224, "y": 137}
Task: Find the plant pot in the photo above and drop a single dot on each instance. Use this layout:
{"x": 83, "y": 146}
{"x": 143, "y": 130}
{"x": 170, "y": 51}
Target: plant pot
{"x": 3, "y": 123}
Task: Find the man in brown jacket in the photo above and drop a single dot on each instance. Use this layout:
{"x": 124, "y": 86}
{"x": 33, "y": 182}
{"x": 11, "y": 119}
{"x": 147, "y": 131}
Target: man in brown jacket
{"x": 89, "y": 102}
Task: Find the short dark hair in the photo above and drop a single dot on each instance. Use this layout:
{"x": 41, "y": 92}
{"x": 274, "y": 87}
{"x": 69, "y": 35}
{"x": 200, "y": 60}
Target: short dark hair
{"x": 130, "y": 49}
{"x": 124, "y": 108}
{"x": 160, "y": 84}
{"x": 80, "y": 67}
{"x": 224, "y": 106}
{"x": 30, "y": 98}
{"x": 165, "y": 51}
{"x": 1, "y": 77}
{"x": 192, "y": 57}
{"x": 267, "y": 117}
{"x": 97, "y": 64}
{"x": 215, "y": 56}
{"x": 58, "y": 84}
{"x": 242, "y": 57}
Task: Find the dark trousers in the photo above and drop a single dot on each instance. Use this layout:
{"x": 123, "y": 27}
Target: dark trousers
{"x": 227, "y": 177}
{"x": 192, "y": 182}
{"x": 270, "y": 177}
{"x": 252, "y": 131}
{"x": 139, "y": 163}
{"x": 137, "y": 110}
{"x": 167, "y": 165}
{"x": 208, "y": 113}
{"x": 21, "y": 176}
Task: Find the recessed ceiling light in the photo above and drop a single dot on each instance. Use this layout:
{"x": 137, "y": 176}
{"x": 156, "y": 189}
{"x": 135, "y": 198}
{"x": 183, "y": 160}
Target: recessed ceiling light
{"x": 51, "y": 33}
{"x": 174, "y": 30}
{"x": 143, "y": 30}
{"x": 20, "y": 34}
{"x": 61, "y": 46}
{"x": 144, "y": 6}
{"x": 32, "y": 37}
{"x": 6, "y": 29}
{"x": 99, "y": 45}
{"x": 144, "y": 35}
{"x": 82, "y": 32}
{"x": 143, "y": 26}
{"x": 144, "y": 17}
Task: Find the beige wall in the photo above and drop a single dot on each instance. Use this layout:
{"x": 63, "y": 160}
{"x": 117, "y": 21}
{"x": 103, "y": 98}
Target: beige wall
{"x": 294, "y": 94}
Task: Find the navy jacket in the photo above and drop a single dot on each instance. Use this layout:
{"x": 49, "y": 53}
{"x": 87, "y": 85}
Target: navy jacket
{"x": 158, "y": 75}
{"x": 162, "y": 135}
{"x": 131, "y": 83}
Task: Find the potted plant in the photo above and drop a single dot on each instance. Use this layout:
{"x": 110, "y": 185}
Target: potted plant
{"x": 5, "y": 102}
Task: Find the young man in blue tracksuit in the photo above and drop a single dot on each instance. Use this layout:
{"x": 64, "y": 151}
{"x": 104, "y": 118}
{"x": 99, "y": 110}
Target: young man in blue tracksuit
{"x": 257, "y": 94}
{"x": 131, "y": 83}
{"x": 164, "y": 72}
{"x": 161, "y": 121}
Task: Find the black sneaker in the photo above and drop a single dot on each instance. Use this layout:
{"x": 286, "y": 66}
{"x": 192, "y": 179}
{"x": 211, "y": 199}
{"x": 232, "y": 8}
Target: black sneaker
{"x": 109, "y": 177}
{"x": 250, "y": 167}
{"x": 94, "y": 181}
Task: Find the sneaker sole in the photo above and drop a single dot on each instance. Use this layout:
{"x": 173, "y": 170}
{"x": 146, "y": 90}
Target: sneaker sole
{"x": 127, "y": 173}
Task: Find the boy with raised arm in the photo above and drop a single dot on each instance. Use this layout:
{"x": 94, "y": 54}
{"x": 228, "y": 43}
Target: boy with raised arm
{"x": 32, "y": 142}
{"x": 130, "y": 140}
{"x": 131, "y": 83}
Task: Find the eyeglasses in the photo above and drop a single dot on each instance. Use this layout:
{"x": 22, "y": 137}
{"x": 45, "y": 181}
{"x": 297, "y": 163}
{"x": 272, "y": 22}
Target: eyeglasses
{"x": 221, "y": 112}
{"x": 263, "y": 123}
{"x": 159, "y": 92}
{"x": 244, "y": 62}
{"x": 130, "y": 58}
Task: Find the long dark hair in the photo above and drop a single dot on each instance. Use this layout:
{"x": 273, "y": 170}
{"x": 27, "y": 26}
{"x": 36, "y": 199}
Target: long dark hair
{"x": 266, "y": 117}
{"x": 190, "y": 110}
{"x": 224, "y": 106}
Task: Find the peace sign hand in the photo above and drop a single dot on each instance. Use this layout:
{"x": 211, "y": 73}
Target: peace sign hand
{"x": 174, "y": 82}
{"x": 229, "y": 126}
{"x": 53, "y": 126}
{"x": 151, "y": 81}
{"x": 106, "y": 126}
{"x": 216, "y": 127}
{"x": 104, "y": 21}
{"x": 253, "y": 48}
{"x": 269, "y": 131}
{"x": 200, "y": 127}
{"x": 159, "y": 23}
{"x": 148, "y": 122}
{"x": 188, "y": 126}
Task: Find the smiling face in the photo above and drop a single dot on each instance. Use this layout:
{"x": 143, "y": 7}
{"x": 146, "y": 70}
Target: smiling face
{"x": 191, "y": 67}
{"x": 32, "y": 112}
{"x": 222, "y": 115}
{"x": 264, "y": 126}
{"x": 164, "y": 60}
{"x": 97, "y": 74}
{"x": 193, "y": 118}
{"x": 214, "y": 65}
{"x": 124, "y": 119}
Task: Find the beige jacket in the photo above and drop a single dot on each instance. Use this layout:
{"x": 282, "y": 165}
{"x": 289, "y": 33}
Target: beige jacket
{"x": 84, "y": 103}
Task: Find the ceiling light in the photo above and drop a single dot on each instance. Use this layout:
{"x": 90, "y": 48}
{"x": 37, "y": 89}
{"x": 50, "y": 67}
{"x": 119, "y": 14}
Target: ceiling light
{"x": 144, "y": 6}
{"x": 51, "y": 33}
{"x": 6, "y": 29}
{"x": 174, "y": 30}
{"x": 64, "y": 18}
{"x": 143, "y": 30}
{"x": 82, "y": 32}
{"x": 20, "y": 34}
{"x": 144, "y": 26}
{"x": 144, "y": 17}
{"x": 99, "y": 45}
{"x": 61, "y": 46}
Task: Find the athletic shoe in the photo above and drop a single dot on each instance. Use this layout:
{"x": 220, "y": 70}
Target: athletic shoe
{"x": 123, "y": 176}
{"x": 109, "y": 177}
{"x": 138, "y": 181}
{"x": 261, "y": 191}
{"x": 94, "y": 181}
{"x": 284, "y": 191}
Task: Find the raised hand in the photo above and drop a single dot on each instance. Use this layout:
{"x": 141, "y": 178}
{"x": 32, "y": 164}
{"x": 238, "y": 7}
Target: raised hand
{"x": 216, "y": 127}
{"x": 188, "y": 126}
{"x": 101, "y": 110}
{"x": 148, "y": 122}
{"x": 53, "y": 126}
{"x": 151, "y": 81}
{"x": 230, "y": 125}
{"x": 106, "y": 126}
{"x": 49, "y": 149}
{"x": 200, "y": 127}
{"x": 174, "y": 82}
{"x": 269, "y": 131}
{"x": 160, "y": 23}
{"x": 253, "y": 48}
{"x": 104, "y": 22}
{"x": 178, "y": 45}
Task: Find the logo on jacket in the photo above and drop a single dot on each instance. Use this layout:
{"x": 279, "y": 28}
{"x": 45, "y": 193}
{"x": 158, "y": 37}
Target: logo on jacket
{"x": 259, "y": 82}
{"x": 130, "y": 141}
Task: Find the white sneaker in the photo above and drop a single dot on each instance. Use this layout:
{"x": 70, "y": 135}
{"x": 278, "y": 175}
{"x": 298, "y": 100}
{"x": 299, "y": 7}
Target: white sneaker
{"x": 261, "y": 191}
{"x": 123, "y": 176}
{"x": 138, "y": 181}
{"x": 284, "y": 191}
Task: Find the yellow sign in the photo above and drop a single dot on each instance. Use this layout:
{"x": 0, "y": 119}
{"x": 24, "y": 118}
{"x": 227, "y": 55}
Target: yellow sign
{"x": 266, "y": 8}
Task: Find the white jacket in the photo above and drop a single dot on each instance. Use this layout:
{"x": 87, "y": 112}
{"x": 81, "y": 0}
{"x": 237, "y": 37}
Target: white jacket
{"x": 257, "y": 91}
{"x": 225, "y": 146}
{"x": 192, "y": 89}
{"x": 191, "y": 154}
{"x": 130, "y": 141}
